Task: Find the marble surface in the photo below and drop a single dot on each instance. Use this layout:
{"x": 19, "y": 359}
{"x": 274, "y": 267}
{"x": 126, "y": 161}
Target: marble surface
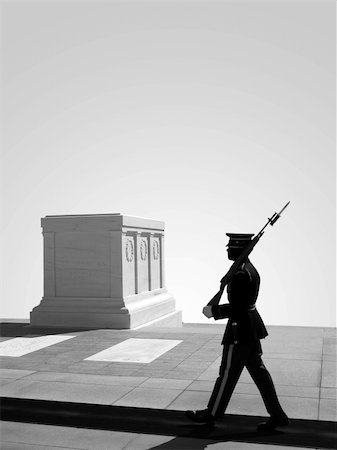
{"x": 103, "y": 271}
{"x": 22, "y": 346}
{"x": 136, "y": 350}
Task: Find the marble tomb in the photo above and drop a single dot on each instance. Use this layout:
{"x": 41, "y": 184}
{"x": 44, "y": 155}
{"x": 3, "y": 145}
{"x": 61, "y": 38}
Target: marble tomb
{"x": 104, "y": 271}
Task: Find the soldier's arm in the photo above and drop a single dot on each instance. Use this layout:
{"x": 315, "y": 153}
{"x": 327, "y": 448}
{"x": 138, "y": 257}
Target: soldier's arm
{"x": 221, "y": 311}
{"x": 225, "y": 311}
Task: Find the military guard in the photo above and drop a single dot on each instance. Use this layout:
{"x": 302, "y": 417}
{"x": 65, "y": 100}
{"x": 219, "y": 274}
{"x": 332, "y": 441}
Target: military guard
{"x": 241, "y": 342}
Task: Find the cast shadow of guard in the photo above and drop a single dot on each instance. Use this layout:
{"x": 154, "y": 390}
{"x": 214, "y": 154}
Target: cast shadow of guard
{"x": 166, "y": 423}
{"x": 203, "y": 437}
{"x": 242, "y": 429}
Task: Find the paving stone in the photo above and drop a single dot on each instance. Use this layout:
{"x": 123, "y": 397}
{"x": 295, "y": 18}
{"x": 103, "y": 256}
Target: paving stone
{"x": 32, "y": 366}
{"x": 282, "y": 390}
{"x": 306, "y": 408}
{"x": 201, "y": 385}
{"x": 327, "y": 409}
{"x": 216, "y": 363}
{"x": 291, "y": 373}
{"x": 128, "y": 366}
{"x": 136, "y": 350}
{"x": 329, "y": 374}
{"x": 163, "y": 383}
{"x": 22, "y": 446}
{"x": 207, "y": 357}
{"x": 293, "y": 347}
{"x": 206, "y": 328}
{"x": 182, "y": 374}
{"x": 278, "y": 332}
{"x": 49, "y": 367}
{"x": 20, "y": 346}
{"x": 87, "y": 366}
{"x": 295, "y": 407}
{"x": 147, "y": 442}
{"x": 187, "y": 365}
{"x": 329, "y": 357}
{"x": 163, "y": 365}
{"x": 15, "y": 373}
{"x": 294, "y": 356}
{"x": 172, "y": 443}
{"x": 248, "y": 446}
{"x": 62, "y": 437}
{"x": 330, "y": 333}
{"x": 51, "y": 352}
{"x": 121, "y": 372}
{"x": 69, "y": 357}
{"x": 4, "y": 381}
{"x": 60, "y": 391}
{"x": 198, "y": 360}
{"x": 328, "y": 393}
{"x": 108, "y": 380}
{"x": 38, "y": 359}
{"x": 168, "y": 357}
{"x": 190, "y": 400}
{"x": 250, "y": 388}
{"x": 148, "y": 398}
{"x": 330, "y": 348}
{"x": 209, "y": 374}
{"x": 329, "y": 340}
{"x": 151, "y": 373}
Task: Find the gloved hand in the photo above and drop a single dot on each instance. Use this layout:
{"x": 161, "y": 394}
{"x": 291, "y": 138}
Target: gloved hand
{"x": 207, "y": 311}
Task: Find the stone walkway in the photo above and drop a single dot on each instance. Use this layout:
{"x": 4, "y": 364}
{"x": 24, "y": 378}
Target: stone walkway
{"x": 302, "y": 362}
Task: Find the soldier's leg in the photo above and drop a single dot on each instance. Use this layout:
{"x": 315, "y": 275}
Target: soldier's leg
{"x": 264, "y": 382}
{"x": 230, "y": 370}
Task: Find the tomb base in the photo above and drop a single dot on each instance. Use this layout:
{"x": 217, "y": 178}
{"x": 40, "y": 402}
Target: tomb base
{"x": 156, "y": 308}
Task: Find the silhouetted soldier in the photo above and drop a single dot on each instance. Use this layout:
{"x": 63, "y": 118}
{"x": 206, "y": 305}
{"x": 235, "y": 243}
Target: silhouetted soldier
{"x": 241, "y": 341}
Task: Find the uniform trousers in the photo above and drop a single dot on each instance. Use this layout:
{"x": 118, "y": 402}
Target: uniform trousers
{"x": 234, "y": 358}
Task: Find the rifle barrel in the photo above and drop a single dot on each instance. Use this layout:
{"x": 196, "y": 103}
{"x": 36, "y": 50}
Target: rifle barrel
{"x": 229, "y": 275}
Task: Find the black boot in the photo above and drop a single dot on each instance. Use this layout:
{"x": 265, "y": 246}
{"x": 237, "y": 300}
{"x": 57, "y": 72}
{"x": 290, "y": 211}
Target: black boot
{"x": 272, "y": 423}
{"x": 202, "y": 416}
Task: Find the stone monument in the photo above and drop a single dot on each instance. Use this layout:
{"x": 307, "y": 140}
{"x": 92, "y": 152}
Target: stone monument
{"x": 104, "y": 271}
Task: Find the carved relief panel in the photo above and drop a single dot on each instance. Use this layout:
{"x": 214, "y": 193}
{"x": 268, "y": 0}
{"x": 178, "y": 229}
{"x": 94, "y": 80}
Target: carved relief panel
{"x": 142, "y": 263}
{"x": 155, "y": 262}
{"x": 128, "y": 261}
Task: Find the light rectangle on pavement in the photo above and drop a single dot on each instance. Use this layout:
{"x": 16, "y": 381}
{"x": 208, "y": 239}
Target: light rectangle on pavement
{"x": 22, "y": 345}
{"x": 135, "y": 350}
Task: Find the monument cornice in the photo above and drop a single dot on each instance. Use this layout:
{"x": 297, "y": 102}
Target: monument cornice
{"x": 100, "y": 222}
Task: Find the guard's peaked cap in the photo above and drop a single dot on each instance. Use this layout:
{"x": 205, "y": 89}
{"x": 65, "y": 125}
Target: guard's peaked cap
{"x": 239, "y": 240}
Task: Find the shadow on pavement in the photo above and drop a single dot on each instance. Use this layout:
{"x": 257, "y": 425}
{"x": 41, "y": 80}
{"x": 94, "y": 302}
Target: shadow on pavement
{"x": 14, "y": 329}
{"x": 234, "y": 428}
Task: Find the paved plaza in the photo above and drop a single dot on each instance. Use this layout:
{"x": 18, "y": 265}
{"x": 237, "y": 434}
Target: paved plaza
{"x": 81, "y": 367}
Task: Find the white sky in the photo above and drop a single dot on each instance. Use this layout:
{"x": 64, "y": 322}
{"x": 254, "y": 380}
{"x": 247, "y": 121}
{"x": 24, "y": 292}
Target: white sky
{"x": 209, "y": 116}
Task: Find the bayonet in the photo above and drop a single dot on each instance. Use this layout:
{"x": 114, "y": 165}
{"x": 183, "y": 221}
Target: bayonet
{"x": 244, "y": 255}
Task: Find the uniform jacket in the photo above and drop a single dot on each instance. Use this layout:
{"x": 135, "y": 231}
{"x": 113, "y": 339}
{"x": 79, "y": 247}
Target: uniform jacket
{"x": 242, "y": 293}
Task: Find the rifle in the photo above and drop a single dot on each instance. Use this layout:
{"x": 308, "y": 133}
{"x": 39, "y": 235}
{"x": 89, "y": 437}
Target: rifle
{"x": 244, "y": 255}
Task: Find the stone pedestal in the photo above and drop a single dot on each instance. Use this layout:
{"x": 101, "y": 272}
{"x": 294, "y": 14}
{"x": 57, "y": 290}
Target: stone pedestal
{"x": 104, "y": 271}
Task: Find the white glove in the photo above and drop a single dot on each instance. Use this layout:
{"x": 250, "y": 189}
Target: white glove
{"x": 207, "y": 311}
